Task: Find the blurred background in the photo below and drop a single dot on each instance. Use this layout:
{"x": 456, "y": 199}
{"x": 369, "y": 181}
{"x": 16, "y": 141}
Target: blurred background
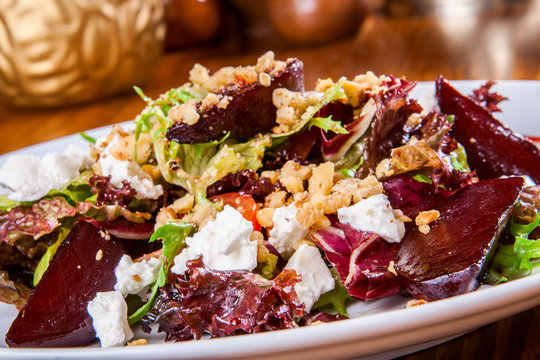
{"x": 70, "y": 65}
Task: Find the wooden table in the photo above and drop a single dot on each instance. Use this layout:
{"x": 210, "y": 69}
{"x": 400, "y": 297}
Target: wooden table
{"x": 501, "y": 45}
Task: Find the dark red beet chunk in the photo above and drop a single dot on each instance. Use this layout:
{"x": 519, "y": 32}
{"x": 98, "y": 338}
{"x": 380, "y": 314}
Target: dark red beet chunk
{"x": 250, "y": 111}
{"x": 448, "y": 260}
{"x": 493, "y": 150}
{"x": 55, "y": 314}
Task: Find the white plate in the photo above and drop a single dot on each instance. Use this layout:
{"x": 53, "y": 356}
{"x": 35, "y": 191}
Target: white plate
{"x": 379, "y": 329}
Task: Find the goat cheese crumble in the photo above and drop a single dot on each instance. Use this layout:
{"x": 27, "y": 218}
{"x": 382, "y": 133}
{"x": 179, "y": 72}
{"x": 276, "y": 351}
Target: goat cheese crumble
{"x": 109, "y": 318}
{"x": 287, "y": 231}
{"x": 120, "y": 170}
{"x": 134, "y": 277}
{"x": 316, "y": 277}
{"x": 224, "y": 244}
{"x": 374, "y": 214}
{"x": 30, "y": 178}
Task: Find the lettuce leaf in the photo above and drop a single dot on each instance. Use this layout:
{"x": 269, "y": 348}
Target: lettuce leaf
{"x": 173, "y": 235}
{"x": 515, "y": 260}
{"x": 338, "y": 297}
{"x": 47, "y": 257}
{"x": 333, "y": 93}
{"x": 201, "y": 165}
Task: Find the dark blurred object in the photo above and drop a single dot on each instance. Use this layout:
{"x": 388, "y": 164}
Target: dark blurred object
{"x": 451, "y": 7}
{"x": 191, "y": 22}
{"x": 314, "y": 21}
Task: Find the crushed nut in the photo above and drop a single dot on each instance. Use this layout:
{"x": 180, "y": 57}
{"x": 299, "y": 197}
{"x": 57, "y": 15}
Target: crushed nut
{"x": 137, "y": 342}
{"x": 321, "y": 180}
{"x": 275, "y": 199}
{"x": 391, "y": 268}
{"x": 265, "y": 79}
{"x": 99, "y": 255}
{"x": 415, "y": 302}
{"x": 265, "y": 217}
{"x": 424, "y": 229}
{"x": 426, "y": 217}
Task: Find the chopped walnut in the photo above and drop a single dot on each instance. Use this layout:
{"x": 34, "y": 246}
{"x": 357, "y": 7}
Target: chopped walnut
{"x": 137, "y": 342}
{"x": 183, "y": 204}
{"x": 292, "y": 168}
{"x": 308, "y": 214}
{"x": 322, "y": 179}
{"x": 300, "y": 197}
{"x": 323, "y": 84}
{"x": 391, "y": 268}
{"x": 262, "y": 251}
{"x": 267, "y": 63}
{"x": 272, "y": 175}
{"x": 384, "y": 169}
{"x": 359, "y": 189}
{"x": 291, "y": 106}
{"x": 398, "y": 214}
{"x": 292, "y": 176}
{"x": 426, "y": 217}
{"x": 201, "y": 214}
{"x": 335, "y": 201}
{"x": 265, "y": 79}
{"x": 164, "y": 216}
{"x": 414, "y": 120}
{"x": 265, "y": 217}
{"x": 199, "y": 74}
{"x": 415, "y": 302}
{"x": 186, "y": 113}
{"x": 152, "y": 170}
{"x": 275, "y": 199}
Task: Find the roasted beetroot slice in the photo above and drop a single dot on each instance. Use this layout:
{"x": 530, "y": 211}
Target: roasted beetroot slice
{"x": 448, "y": 260}
{"x": 493, "y": 150}
{"x": 55, "y": 314}
{"x": 249, "y": 112}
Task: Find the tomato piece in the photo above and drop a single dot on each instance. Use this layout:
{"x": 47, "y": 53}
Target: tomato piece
{"x": 243, "y": 203}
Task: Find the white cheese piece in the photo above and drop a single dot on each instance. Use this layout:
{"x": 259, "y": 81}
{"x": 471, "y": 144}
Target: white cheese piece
{"x": 287, "y": 231}
{"x": 120, "y": 170}
{"x": 109, "y": 318}
{"x": 30, "y": 178}
{"x": 134, "y": 277}
{"x": 374, "y": 214}
{"x": 224, "y": 244}
{"x": 316, "y": 277}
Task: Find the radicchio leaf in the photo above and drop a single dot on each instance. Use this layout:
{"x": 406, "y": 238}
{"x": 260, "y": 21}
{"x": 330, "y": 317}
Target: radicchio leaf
{"x": 411, "y": 196}
{"x": 224, "y": 303}
{"x": 361, "y": 259}
{"x": 487, "y": 98}
{"x": 335, "y": 147}
{"x": 108, "y": 194}
{"x": 388, "y": 128}
{"x": 245, "y": 182}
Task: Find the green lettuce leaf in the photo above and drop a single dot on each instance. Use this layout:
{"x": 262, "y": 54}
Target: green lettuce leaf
{"x": 201, "y": 165}
{"x": 338, "y": 297}
{"x": 327, "y": 124}
{"x": 76, "y": 191}
{"x": 333, "y": 93}
{"x": 47, "y": 257}
{"x": 173, "y": 236}
{"x": 515, "y": 260}
{"x": 269, "y": 267}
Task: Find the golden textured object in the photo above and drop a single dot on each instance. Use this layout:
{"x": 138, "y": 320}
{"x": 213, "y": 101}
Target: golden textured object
{"x": 57, "y": 52}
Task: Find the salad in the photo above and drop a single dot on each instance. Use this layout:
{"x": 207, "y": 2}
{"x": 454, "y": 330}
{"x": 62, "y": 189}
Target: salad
{"x": 239, "y": 203}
